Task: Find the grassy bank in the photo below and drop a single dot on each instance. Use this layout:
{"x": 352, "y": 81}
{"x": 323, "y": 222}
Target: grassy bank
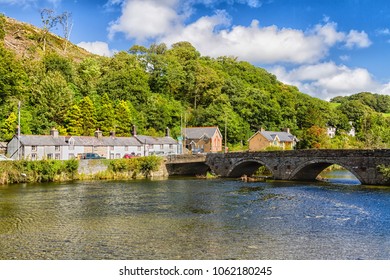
{"x": 23, "y": 171}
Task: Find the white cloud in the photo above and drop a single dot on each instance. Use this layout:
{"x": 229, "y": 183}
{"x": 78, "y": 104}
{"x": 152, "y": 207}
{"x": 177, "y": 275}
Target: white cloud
{"x": 385, "y": 31}
{"x": 99, "y": 48}
{"x": 385, "y": 89}
{"x": 144, "y": 19}
{"x": 169, "y": 21}
{"x": 327, "y": 80}
{"x": 165, "y": 21}
{"x": 358, "y": 39}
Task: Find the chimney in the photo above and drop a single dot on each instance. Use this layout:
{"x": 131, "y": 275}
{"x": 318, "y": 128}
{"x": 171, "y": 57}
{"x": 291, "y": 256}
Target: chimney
{"x": 112, "y": 134}
{"x": 167, "y": 132}
{"x": 134, "y": 132}
{"x": 54, "y": 132}
{"x": 262, "y": 129}
{"x": 98, "y": 134}
{"x": 286, "y": 130}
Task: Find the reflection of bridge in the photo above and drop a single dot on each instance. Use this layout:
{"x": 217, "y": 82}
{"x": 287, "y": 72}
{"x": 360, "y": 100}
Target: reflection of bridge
{"x": 300, "y": 165}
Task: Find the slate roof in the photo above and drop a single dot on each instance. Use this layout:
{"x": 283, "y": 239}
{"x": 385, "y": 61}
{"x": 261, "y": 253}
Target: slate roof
{"x": 42, "y": 140}
{"x": 48, "y": 140}
{"x": 105, "y": 141}
{"x": 271, "y": 135}
{"x": 199, "y": 132}
{"x": 283, "y": 136}
{"x": 150, "y": 140}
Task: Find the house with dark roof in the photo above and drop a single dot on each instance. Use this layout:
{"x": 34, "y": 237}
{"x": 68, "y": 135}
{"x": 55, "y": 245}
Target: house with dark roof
{"x": 263, "y": 139}
{"x": 157, "y": 145}
{"x": 54, "y": 146}
{"x": 203, "y": 139}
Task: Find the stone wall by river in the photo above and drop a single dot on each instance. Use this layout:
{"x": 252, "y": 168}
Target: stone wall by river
{"x": 90, "y": 167}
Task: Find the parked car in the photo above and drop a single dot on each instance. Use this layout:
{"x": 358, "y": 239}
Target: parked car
{"x": 130, "y": 155}
{"x": 3, "y": 157}
{"x": 91, "y": 156}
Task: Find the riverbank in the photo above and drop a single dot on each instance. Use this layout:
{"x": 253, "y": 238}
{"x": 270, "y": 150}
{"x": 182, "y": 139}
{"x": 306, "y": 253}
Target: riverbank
{"x": 23, "y": 171}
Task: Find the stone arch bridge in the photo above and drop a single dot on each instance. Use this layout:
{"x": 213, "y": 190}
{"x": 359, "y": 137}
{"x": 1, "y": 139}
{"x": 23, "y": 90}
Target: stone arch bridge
{"x": 295, "y": 165}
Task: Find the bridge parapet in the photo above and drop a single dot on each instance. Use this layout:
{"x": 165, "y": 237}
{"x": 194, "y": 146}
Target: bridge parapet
{"x": 303, "y": 164}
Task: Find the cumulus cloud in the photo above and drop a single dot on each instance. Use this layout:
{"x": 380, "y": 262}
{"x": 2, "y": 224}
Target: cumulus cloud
{"x": 99, "y": 48}
{"x": 358, "y": 39}
{"x": 214, "y": 35}
{"x": 170, "y": 21}
{"x": 327, "y": 80}
{"x": 144, "y": 19}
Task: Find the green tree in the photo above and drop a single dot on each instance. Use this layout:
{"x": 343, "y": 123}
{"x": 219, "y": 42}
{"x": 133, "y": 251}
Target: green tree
{"x": 8, "y": 127}
{"x": 74, "y": 121}
{"x": 88, "y": 75}
{"x": 106, "y": 116}
{"x": 124, "y": 78}
{"x": 13, "y": 79}
{"x": 123, "y": 119}
{"x": 88, "y": 116}
{"x": 50, "y": 100}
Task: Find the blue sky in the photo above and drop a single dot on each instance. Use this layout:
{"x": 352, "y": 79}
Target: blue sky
{"x": 326, "y": 48}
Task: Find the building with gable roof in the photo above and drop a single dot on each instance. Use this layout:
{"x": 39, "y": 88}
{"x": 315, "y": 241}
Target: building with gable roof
{"x": 54, "y": 146}
{"x": 263, "y": 139}
{"x": 203, "y": 139}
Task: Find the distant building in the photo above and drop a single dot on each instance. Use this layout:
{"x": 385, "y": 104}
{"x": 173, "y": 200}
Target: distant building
{"x": 203, "y": 139}
{"x": 54, "y": 146}
{"x": 158, "y": 145}
{"x": 331, "y": 131}
{"x": 263, "y": 139}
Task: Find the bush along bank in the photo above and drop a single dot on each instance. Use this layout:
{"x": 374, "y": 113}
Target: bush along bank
{"x": 23, "y": 171}
{"x": 385, "y": 170}
{"x": 133, "y": 168}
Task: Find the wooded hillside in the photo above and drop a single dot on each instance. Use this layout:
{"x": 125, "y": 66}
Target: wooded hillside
{"x": 158, "y": 87}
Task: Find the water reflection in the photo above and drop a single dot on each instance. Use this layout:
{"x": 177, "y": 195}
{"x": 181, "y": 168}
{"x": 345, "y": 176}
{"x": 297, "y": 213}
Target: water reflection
{"x": 194, "y": 219}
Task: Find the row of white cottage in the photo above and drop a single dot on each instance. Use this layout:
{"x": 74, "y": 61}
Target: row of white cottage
{"x": 54, "y": 146}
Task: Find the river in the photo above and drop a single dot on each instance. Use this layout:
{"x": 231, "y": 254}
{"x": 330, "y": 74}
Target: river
{"x": 195, "y": 219}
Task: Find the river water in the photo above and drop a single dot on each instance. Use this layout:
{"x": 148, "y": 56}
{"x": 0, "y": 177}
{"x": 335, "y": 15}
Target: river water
{"x": 195, "y": 219}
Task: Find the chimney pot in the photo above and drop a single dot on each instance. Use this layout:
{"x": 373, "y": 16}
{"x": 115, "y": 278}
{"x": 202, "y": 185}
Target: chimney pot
{"x": 54, "y": 132}
{"x": 98, "y": 134}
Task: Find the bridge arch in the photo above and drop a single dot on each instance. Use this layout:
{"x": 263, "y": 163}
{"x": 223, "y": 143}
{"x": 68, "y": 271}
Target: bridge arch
{"x": 246, "y": 167}
{"x": 308, "y": 171}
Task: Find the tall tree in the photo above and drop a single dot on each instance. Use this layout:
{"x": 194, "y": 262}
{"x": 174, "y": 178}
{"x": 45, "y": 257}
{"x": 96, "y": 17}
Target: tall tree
{"x": 8, "y": 127}
{"x": 49, "y": 20}
{"x": 123, "y": 118}
{"x": 106, "y": 116}
{"x": 88, "y": 116}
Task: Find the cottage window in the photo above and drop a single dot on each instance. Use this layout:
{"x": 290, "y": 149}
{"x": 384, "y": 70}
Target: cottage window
{"x": 34, "y": 148}
{"x": 112, "y": 156}
{"x": 33, "y": 156}
{"x": 49, "y": 156}
{"x": 161, "y": 147}
{"x": 171, "y": 146}
{"x": 57, "y": 148}
{"x": 111, "y": 148}
{"x": 58, "y": 156}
